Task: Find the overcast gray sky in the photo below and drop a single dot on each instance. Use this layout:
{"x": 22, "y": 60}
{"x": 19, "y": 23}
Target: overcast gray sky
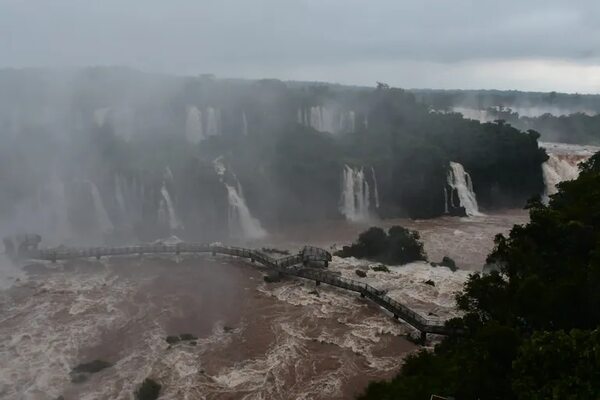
{"x": 527, "y": 44}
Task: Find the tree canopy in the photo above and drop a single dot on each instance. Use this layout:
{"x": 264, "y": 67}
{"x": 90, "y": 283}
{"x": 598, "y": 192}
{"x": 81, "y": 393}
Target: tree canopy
{"x": 532, "y": 326}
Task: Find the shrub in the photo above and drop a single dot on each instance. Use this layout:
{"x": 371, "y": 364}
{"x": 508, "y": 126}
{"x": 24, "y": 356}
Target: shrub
{"x": 398, "y": 246}
{"x": 381, "y": 268}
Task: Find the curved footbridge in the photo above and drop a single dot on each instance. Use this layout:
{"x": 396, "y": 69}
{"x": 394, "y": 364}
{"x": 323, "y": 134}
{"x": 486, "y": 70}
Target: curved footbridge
{"x": 308, "y": 263}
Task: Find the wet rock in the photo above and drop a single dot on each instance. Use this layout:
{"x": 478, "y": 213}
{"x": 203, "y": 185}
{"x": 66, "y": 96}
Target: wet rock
{"x": 91, "y": 367}
{"x": 148, "y": 390}
{"x": 82, "y": 372}
{"x": 446, "y": 262}
{"x": 361, "y": 273}
{"x": 173, "y": 339}
{"x": 429, "y": 282}
{"x": 79, "y": 378}
{"x": 187, "y": 336}
{"x": 315, "y": 293}
{"x": 272, "y": 278}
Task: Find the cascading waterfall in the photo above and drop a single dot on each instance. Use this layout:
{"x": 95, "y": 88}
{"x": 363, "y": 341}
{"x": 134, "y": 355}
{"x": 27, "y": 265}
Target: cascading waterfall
{"x": 375, "y": 188}
{"x": 119, "y": 196}
{"x": 240, "y": 218}
{"x": 348, "y": 122}
{"x": 194, "y": 131}
{"x": 102, "y": 218}
{"x": 213, "y": 121}
{"x": 241, "y": 222}
{"x": 355, "y": 200}
{"x": 244, "y": 124}
{"x": 556, "y": 170}
{"x": 460, "y": 181}
{"x": 100, "y": 115}
{"x": 325, "y": 119}
{"x": 446, "y": 208}
{"x": 166, "y": 210}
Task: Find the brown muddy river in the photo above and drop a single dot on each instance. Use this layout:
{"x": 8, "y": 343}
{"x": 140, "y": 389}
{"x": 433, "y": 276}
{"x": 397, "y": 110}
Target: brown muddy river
{"x": 256, "y": 340}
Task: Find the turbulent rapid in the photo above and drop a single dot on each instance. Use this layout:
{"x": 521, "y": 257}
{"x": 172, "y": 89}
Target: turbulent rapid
{"x": 562, "y": 164}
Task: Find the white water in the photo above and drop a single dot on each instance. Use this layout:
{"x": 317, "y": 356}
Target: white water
{"x": 446, "y": 210}
{"x": 102, "y": 218}
{"x": 240, "y": 220}
{"x": 166, "y": 210}
{"x": 348, "y": 122}
{"x": 325, "y": 119}
{"x": 244, "y": 124}
{"x": 119, "y": 196}
{"x": 355, "y": 200}
{"x": 562, "y": 164}
{"x": 375, "y": 189}
{"x": 460, "y": 180}
{"x": 194, "y": 131}
{"x": 556, "y": 170}
{"x": 213, "y": 121}
{"x": 406, "y": 283}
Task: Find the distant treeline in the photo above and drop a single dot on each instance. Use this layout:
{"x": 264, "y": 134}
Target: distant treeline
{"x": 578, "y": 128}
{"x": 558, "y": 117}
{"x": 445, "y": 100}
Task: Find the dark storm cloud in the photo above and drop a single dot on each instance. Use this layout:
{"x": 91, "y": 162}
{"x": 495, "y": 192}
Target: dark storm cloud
{"x": 345, "y": 40}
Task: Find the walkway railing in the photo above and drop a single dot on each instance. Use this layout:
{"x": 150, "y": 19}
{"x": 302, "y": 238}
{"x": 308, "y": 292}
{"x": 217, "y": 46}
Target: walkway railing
{"x": 291, "y": 265}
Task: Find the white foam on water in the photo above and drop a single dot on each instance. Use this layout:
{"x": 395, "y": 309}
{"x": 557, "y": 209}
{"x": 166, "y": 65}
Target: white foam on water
{"x": 45, "y": 330}
{"x": 405, "y": 283}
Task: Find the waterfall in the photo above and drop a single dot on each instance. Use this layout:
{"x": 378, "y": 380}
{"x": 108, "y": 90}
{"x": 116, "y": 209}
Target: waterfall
{"x": 326, "y": 119}
{"x": 166, "y": 210}
{"x": 460, "y": 180}
{"x": 53, "y": 213}
{"x": 121, "y": 203}
{"x": 194, "y": 131}
{"x": 375, "y": 188}
{"x": 556, "y": 170}
{"x": 102, "y": 218}
{"x": 213, "y": 121}
{"x": 99, "y": 116}
{"x": 244, "y": 124}
{"x": 316, "y": 119}
{"x": 239, "y": 216}
{"x": 240, "y": 220}
{"x": 355, "y": 195}
{"x": 446, "y": 208}
{"x": 347, "y": 122}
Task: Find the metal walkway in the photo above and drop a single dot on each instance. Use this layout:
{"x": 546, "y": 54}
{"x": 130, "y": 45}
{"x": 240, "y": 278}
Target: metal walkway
{"x": 294, "y": 265}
